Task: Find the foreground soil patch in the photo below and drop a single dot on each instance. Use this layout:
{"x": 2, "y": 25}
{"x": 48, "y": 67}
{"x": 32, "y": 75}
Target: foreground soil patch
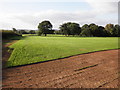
{"x": 93, "y": 70}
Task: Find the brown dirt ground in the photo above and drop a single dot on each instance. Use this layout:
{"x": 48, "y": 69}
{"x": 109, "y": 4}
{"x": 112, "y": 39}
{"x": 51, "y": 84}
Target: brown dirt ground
{"x": 93, "y": 70}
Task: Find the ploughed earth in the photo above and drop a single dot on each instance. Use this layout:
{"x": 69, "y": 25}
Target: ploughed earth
{"x": 92, "y": 70}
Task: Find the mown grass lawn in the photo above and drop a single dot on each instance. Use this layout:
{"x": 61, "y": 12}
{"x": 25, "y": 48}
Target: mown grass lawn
{"x": 32, "y": 49}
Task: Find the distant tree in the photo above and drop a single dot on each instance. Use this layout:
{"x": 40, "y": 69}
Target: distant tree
{"x": 14, "y": 30}
{"x": 58, "y": 32}
{"x": 74, "y": 29}
{"x": 32, "y": 32}
{"x": 23, "y": 32}
{"x": 44, "y": 27}
{"x": 110, "y": 28}
{"x": 116, "y": 30}
{"x": 103, "y": 32}
{"x": 70, "y": 29}
{"x": 94, "y": 30}
{"x": 85, "y": 26}
{"x": 64, "y": 28}
{"x": 86, "y": 32}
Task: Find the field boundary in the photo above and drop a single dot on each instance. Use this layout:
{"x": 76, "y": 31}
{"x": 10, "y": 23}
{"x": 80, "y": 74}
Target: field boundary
{"x": 60, "y": 58}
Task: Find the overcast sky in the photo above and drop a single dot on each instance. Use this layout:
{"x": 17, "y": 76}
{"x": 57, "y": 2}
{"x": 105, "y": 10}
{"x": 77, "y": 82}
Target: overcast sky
{"x": 27, "y": 14}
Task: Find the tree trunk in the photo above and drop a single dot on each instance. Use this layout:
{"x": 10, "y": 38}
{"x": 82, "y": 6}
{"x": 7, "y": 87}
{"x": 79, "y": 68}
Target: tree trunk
{"x": 45, "y": 34}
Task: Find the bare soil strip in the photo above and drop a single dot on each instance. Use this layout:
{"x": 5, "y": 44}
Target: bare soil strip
{"x": 93, "y": 70}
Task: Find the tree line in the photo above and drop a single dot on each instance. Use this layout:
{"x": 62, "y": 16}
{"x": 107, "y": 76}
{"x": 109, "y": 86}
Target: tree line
{"x": 20, "y": 32}
{"x": 74, "y": 29}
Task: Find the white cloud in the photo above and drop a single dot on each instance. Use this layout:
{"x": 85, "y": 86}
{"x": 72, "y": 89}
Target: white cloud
{"x": 99, "y": 14}
{"x": 103, "y": 7}
{"x": 32, "y": 20}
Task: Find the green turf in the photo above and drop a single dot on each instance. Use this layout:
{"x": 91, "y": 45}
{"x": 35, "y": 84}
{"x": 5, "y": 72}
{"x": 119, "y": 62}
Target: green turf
{"x": 33, "y": 49}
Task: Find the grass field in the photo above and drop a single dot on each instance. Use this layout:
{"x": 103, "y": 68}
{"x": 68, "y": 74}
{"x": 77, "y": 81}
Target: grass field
{"x": 32, "y": 49}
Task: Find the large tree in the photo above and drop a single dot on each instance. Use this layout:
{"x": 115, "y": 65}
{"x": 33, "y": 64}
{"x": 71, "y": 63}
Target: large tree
{"x": 64, "y": 28}
{"x": 86, "y": 32}
{"x": 70, "y": 28}
{"x": 44, "y": 27}
{"x": 103, "y": 32}
{"x": 94, "y": 29}
{"x": 74, "y": 29}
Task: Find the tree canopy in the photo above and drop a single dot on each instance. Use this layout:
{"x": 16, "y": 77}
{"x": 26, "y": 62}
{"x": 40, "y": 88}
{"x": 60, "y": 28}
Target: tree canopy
{"x": 70, "y": 29}
{"x": 87, "y": 30}
{"x": 44, "y": 27}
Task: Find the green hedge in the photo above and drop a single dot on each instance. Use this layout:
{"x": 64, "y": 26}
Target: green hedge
{"x": 7, "y": 34}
